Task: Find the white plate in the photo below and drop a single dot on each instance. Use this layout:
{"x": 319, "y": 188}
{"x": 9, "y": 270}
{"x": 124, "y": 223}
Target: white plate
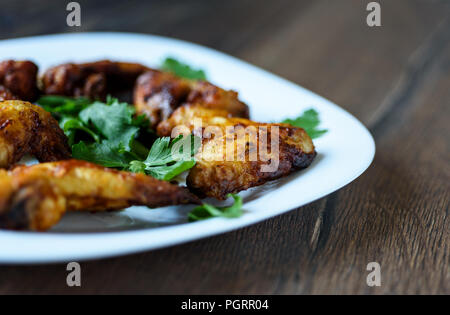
{"x": 343, "y": 153}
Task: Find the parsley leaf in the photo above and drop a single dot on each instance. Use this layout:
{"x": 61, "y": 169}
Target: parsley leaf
{"x": 70, "y": 125}
{"x": 182, "y": 70}
{"x": 61, "y": 105}
{"x": 107, "y": 134}
{"x": 207, "y": 211}
{"x": 309, "y": 121}
{"x": 168, "y": 172}
{"x": 167, "y": 158}
{"x": 113, "y": 121}
{"x": 137, "y": 167}
{"x": 105, "y": 153}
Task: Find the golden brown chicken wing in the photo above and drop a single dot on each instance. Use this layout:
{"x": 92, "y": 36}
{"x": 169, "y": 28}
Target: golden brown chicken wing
{"x": 237, "y": 153}
{"x": 35, "y": 197}
{"x": 28, "y": 129}
{"x": 157, "y": 94}
{"x": 18, "y": 80}
{"x": 94, "y": 80}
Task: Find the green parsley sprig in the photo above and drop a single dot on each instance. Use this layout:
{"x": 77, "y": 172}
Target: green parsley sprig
{"x": 182, "y": 70}
{"x": 207, "y": 211}
{"x": 309, "y": 121}
{"x": 110, "y": 134}
{"x": 166, "y": 158}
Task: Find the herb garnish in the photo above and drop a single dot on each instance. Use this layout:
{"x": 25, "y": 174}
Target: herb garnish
{"x": 109, "y": 133}
{"x": 207, "y": 211}
{"x": 182, "y": 70}
{"x": 62, "y": 105}
{"x": 166, "y": 159}
{"x": 309, "y": 121}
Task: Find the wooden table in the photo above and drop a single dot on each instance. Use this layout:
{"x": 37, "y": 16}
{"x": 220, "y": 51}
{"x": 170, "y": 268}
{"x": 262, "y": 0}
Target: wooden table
{"x": 394, "y": 78}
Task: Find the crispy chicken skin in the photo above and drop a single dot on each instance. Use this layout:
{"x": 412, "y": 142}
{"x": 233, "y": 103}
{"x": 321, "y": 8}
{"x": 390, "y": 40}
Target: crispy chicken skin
{"x": 18, "y": 80}
{"x": 215, "y": 174}
{"x": 28, "y": 129}
{"x": 35, "y": 197}
{"x": 93, "y": 80}
{"x": 157, "y": 94}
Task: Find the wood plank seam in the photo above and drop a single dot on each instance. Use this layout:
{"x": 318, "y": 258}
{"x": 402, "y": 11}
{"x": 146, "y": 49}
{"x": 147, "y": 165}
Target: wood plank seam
{"x": 323, "y": 224}
{"x": 421, "y": 61}
{"x": 396, "y": 101}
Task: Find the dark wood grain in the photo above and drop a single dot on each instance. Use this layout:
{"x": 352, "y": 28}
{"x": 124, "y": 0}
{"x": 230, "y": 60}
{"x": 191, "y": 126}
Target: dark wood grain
{"x": 395, "y": 79}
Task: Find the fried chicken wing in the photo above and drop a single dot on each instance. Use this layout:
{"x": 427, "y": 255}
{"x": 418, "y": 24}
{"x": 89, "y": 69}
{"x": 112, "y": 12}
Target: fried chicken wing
{"x": 28, "y": 129}
{"x": 157, "y": 94}
{"x": 238, "y": 153}
{"x": 18, "y": 80}
{"x": 35, "y": 197}
{"x": 94, "y": 80}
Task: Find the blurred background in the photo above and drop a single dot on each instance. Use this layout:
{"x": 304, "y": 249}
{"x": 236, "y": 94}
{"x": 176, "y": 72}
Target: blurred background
{"x": 395, "y": 78}
{"x": 293, "y": 38}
